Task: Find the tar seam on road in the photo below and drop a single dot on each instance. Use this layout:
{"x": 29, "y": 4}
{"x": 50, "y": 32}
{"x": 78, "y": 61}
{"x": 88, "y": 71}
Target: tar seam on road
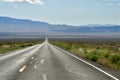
{"x": 74, "y": 72}
{"x": 31, "y": 62}
{"x": 88, "y": 64}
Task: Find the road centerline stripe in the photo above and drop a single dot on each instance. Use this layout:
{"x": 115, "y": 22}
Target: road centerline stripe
{"x": 23, "y": 68}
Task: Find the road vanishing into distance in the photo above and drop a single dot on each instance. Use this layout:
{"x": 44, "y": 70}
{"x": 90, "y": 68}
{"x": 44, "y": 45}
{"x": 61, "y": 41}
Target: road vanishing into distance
{"x": 48, "y": 62}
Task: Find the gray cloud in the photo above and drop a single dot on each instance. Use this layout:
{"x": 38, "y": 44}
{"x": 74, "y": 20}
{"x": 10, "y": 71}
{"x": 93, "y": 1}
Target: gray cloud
{"x": 24, "y": 1}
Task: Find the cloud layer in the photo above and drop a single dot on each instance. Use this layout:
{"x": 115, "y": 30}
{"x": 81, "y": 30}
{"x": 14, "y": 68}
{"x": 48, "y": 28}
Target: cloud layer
{"x": 24, "y": 1}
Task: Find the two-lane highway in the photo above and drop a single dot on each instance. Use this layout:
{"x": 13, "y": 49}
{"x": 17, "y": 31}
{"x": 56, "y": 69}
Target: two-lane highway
{"x": 46, "y": 62}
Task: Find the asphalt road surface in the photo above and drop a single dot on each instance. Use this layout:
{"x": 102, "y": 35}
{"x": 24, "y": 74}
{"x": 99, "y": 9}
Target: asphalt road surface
{"x": 47, "y": 62}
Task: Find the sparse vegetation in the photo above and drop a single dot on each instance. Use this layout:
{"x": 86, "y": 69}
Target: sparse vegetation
{"x": 6, "y": 46}
{"x": 104, "y": 52}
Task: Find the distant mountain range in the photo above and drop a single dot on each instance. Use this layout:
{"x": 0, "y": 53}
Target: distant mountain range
{"x": 8, "y": 24}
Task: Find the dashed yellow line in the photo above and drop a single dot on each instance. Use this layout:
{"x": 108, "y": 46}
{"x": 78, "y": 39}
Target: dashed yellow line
{"x": 23, "y": 68}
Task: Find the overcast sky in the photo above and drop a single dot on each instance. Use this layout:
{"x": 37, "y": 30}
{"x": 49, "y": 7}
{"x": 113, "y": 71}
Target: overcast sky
{"x": 72, "y": 12}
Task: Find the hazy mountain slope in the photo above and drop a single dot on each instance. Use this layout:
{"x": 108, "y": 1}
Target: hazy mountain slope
{"x": 22, "y": 25}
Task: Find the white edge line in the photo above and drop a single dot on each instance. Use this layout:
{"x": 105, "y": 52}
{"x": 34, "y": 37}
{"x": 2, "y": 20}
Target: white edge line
{"x": 89, "y": 64}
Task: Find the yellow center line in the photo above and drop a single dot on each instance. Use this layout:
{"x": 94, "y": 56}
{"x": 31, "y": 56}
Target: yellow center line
{"x": 23, "y": 68}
